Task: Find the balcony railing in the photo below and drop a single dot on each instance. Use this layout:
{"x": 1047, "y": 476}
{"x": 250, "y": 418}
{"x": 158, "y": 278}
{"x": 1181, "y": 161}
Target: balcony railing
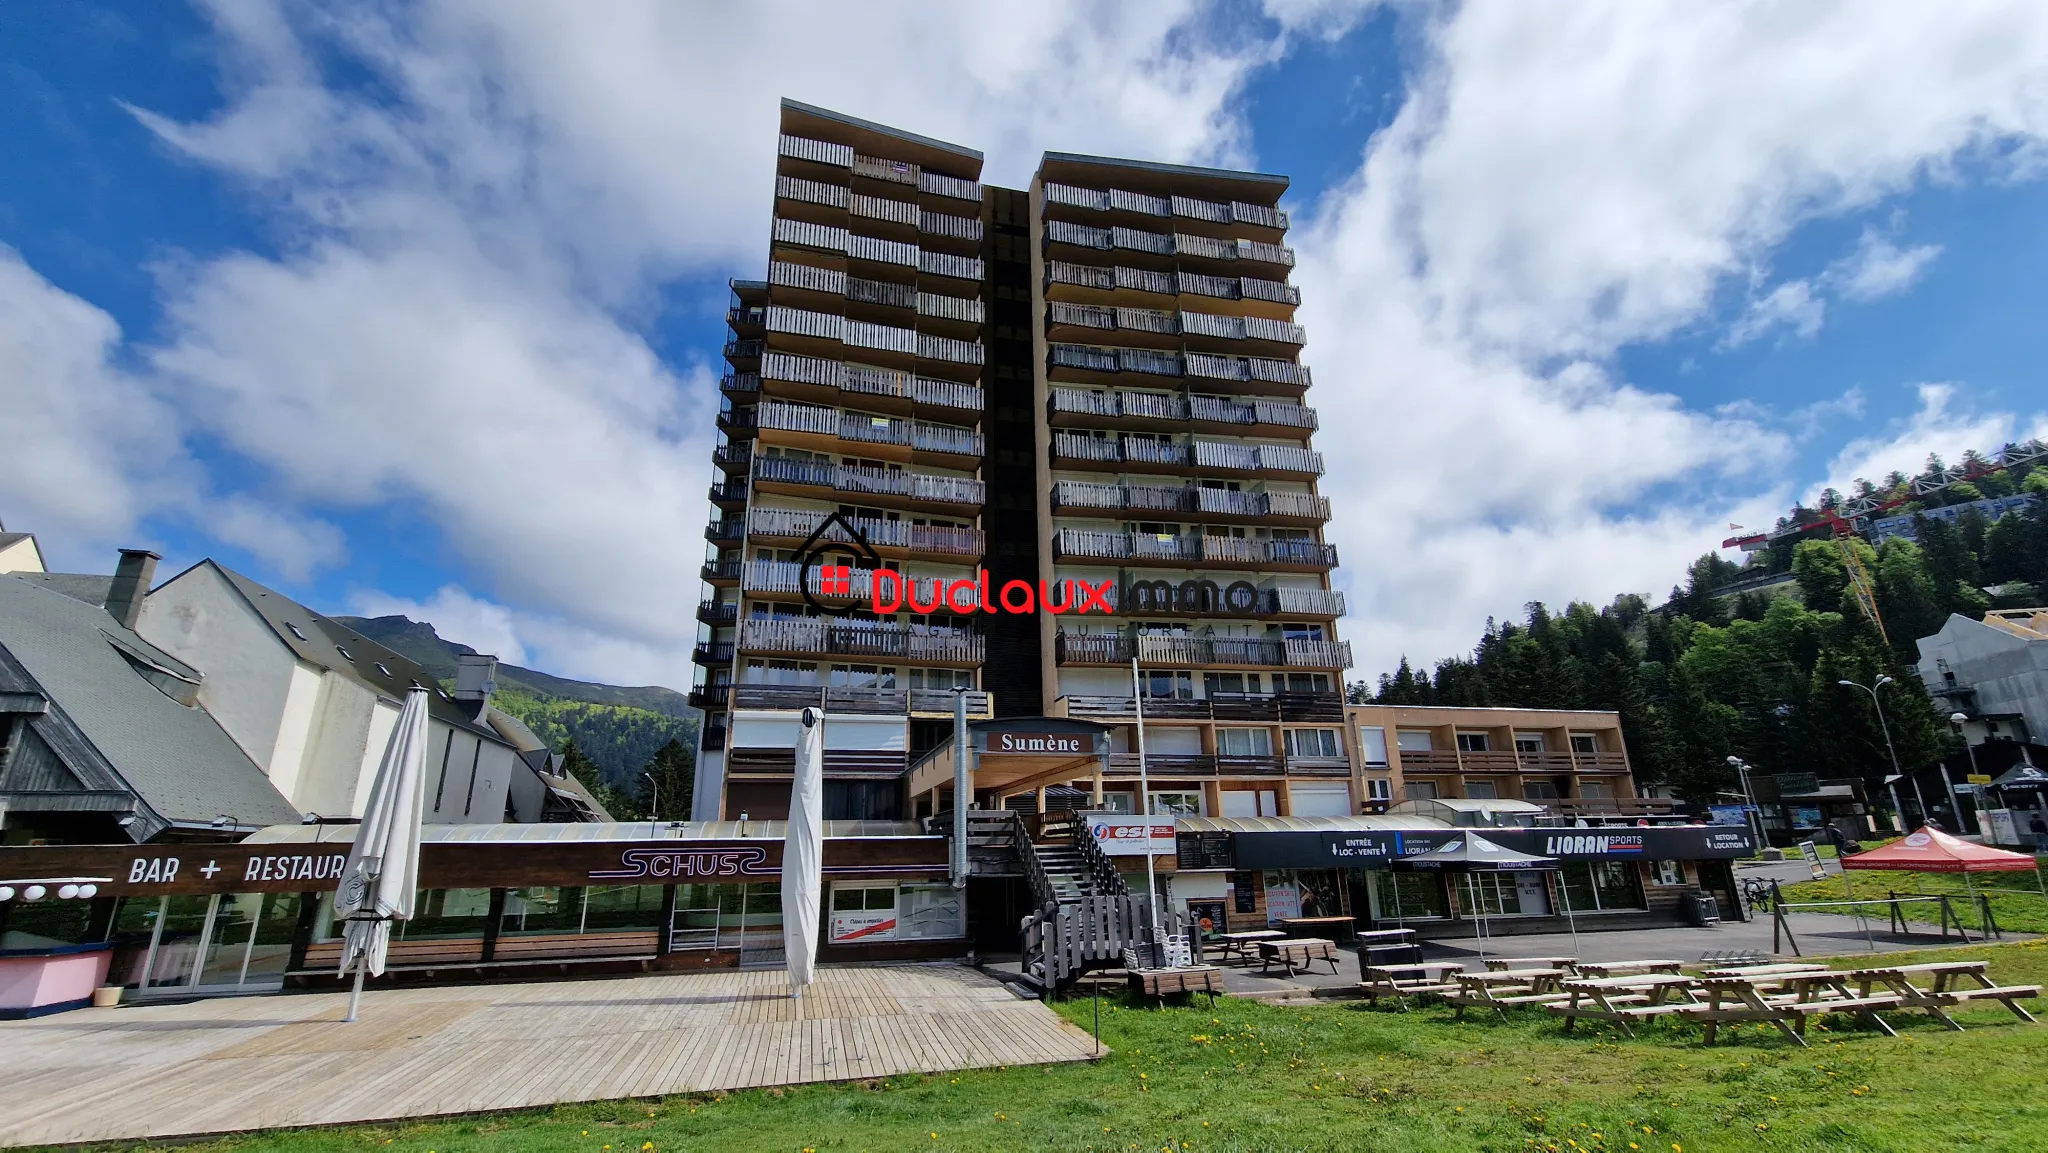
{"x": 791, "y": 416}
{"x": 871, "y": 381}
{"x": 811, "y": 191}
{"x": 713, "y": 653}
{"x": 923, "y": 643}
{"x": 1206, "y": 366}
{"x": 1075, "y": 446}
{"x": 961, "y": 308}
{"x": 800, "y": 523}
{"x": 1103, "y": 544}
{"x": 730, "y": 492}
{"x": 1069, "y": 494}
{"x": 946, "y": 264}
{"x": 1217, "y": 706}
{"x": 718, "y": 614}
{"x": 803, "y": 148}
{"x": 953, "y": 186}
{"x": 1174, "y": 650}
{"x": 871, "y": 481}
{"x": 948, "y": 225}
{"x": 852, "y": 700}
{"x": 1105, "y": 200}
{"x": 884, "y": 208}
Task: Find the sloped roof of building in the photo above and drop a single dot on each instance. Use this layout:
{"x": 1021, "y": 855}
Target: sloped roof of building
{"x": 326, "y": 642}
{"x": 86, "y": 588}
{"x": 174, "y": 757}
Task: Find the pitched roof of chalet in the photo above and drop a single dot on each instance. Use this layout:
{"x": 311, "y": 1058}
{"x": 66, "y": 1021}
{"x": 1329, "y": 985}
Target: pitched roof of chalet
{"x": 86, "y": 588}
{"x": 326, "y": 642}
{"x": 111, "y": 723}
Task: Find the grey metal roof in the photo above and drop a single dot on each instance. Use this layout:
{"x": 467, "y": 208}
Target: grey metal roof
{"x": 174, "y": 757}
{"x": 1358, "y": 824}
{"x": 856, "y": 122}
{"x": 1266, "y": 178}
{"x": 595, "y": 831}
{"x": 86, "y": 588}
{"x": 326, "y": 642}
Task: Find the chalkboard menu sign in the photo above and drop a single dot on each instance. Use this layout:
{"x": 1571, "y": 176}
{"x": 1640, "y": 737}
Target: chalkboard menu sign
{"x": 1204, "y": 850}
{"x": 1207, "y": 917}
{"x": 1244, "y": 892}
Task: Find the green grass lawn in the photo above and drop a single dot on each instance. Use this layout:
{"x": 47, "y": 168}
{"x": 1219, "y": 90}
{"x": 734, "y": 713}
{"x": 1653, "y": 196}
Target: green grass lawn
{"x": 2016, "y": 901}
{"x": 1246, "y": 1076}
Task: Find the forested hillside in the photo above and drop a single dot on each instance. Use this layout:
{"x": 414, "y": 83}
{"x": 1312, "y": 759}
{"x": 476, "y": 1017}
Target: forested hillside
{"x": 1711, "y": 674}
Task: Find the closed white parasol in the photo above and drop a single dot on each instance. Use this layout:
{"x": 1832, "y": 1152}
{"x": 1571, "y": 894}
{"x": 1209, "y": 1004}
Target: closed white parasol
{"x": 382, "y": 873}
{"x": 803, "y": 854}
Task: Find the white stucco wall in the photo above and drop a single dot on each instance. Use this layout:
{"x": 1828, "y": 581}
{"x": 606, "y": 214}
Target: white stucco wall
{"x": 2008, "y": 672}
{"x": 246, "y": 671}
{"x": 295, "y": 728}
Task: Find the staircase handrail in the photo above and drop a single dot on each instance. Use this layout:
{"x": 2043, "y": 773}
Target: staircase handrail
{"x": 1042, "y": 893}
{"x": 1101, "y": 870}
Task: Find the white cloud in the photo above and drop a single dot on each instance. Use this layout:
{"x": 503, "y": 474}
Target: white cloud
{"x": 534, "y": 640}
{"x": 1568, "y": 179}
{"x": 456, "y": 616}
{"x": 1939, "y": 427}
{"x": 1878, "y": 268}
{"x": 1791, "y": 305}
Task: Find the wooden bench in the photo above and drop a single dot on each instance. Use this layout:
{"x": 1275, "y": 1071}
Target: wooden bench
{"x": 1497, "y": 963}
{"x": 1417, "y": 979}
{"x": 418, "y": 953}
{"x": 550, "y": 946}
{"x": 1738, "y": 1000}
{"x": 1599, "y": 969}
{"x": 1947, "y": 991}
{"x": 1624, "y": 999}
{"x": 1241, "y": 944}
{"x": 1164, "y": 983}
{"x": 1297, "y": 953}
{"x": 1506, "y": 989}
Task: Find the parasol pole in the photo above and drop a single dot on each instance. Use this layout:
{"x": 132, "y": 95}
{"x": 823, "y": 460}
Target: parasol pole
{"x": 1570, "y": 919}
{"x": 355, "y": 993}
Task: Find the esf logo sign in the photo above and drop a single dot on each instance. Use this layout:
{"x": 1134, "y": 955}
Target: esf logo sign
{"x": 1595, "y": 846}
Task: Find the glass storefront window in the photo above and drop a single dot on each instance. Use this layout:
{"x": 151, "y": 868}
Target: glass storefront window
{"x": 538, "y": 909}
{"x": 1398, "y": 895}
{"x": 931, "y": 912}
{"x": 1599, "y": 886}
{"x": 448, "y": 913}
{"x": 180, "y": 931}
{"x": 36, "y": 924}
{"x": 622, "y": 908}
{"x": 1491, "y": 895}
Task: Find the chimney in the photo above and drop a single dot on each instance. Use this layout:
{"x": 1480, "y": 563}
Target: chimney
{"x": 476, "y": 678}
{"x": 131, "y": 585}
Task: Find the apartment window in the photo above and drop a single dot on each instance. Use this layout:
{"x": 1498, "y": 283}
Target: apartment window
{"x": 1177, "y": 804}
{"x": 1301, "y": 632}
{"x": 1595, "y": 886}
{"x": 1304, "y": 682}
{"x": 1379, "y": 788}
{"x": 1528, "y": 742}
{"x": 1584, "y": 743}
{"x": 862, "y": 677}
{"x": 1472, "y": 742}
{"x": 1244, "y": 742}
{"x": 1414, "y": 741}
{"x": 1214, "y": 684}
{"x": 1667, "y": 873}
{"x": 1538, "y": 791}
{"x": 1421, "y": 790}
{"x": 1600, "y": 790}
{"x": 1372, "y": 742}
{"x": 1170, "y": 684}
{"x": 1480, "y": 790}
{"x": 941, "y": 679}
{"x": 1313, "y": 743}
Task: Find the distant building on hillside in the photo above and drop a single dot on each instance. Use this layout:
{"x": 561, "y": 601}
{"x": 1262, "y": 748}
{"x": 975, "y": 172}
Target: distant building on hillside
{"x": 1991, "y": 508}
{"x": 1994, "y": 670}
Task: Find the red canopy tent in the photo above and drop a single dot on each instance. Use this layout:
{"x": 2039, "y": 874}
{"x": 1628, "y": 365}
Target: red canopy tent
{"x": 1933, "y": 851}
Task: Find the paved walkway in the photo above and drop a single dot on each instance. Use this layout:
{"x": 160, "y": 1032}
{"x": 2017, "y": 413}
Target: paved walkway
{"x": 262, "y": 1062}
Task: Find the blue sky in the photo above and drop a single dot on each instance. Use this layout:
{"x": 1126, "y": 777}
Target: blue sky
{"x": 416, "y": 308}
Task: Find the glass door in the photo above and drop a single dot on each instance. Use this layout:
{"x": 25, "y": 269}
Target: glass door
{"x": 175, "y": 942}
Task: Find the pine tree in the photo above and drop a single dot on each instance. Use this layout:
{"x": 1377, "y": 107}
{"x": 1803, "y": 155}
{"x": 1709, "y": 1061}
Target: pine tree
{"x": 620, "y": 805}
{"x": 674, "y": 769}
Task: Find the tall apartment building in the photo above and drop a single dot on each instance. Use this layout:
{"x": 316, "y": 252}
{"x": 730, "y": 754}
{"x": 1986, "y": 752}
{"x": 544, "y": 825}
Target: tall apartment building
{"x": 1096, "y": 380}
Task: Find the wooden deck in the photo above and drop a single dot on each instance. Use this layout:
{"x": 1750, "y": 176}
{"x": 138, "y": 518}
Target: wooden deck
{"x": 263, "y": 1062}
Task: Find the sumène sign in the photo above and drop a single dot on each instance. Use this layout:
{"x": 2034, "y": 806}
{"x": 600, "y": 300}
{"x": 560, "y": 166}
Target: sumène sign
{"x": 1074, "y": 744}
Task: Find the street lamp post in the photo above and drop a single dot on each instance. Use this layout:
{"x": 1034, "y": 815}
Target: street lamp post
{"x": 1886, "y": 729}
{"x": 1750, "y": 816}
{"x": 1957, "y": 720}
{"x": 653, "y": 805}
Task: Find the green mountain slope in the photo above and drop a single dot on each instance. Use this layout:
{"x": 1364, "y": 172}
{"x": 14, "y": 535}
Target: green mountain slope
{"x": 618, "y": 728}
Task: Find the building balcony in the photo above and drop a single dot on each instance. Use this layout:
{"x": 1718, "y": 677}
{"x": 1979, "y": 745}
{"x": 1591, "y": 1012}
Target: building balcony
{"x": 833, "y": 430}
{"x": 737, "y": 423}
{"x": 721, "y": 574}
{"x": 889, "y": 487}
{"x": 1118, "y": 649}
{"x": 1162, "y": 598}
{"x": 1161, "y": 328}
{"x": 718, "y": 614}
{"x": 1195, "y": 371}
{"x": 744, "y": 355}
{"x": 797, "y": 241}
{"x": 890, "y": 538}
{"x": 1070, "y": 407}
{"x": 746, "y": 320}
{"x": 831, "y": 335}
{"x": 865, "y": 640}
{"x": 1191, "y": 457}
{"x": 725, "y": 532}
{"x": 1066, "y": 202}
{"x": 817, "y": 380}
{"x": 710, "y": 696}
{"x": 729, "y": 495}
{"x": 916, "y": 702}
{"x": 733, "y": 458}
{"x": 1176, "y": 766}
{"x": 1176, "y": 251}
{"x": 713, "y": 653}
{"x": 1214, "y": 504}
{"x": 1293, "y": 707}
{"x": 1504, "y": 761}
{"x": 771, "y": 577}
{"x": 833, "y": 290}
{"x": 714, "y": 738}
{"x": 1113, "y": 286}
{"x": 1085, "y": 546}
{"x": 741, "y": 386}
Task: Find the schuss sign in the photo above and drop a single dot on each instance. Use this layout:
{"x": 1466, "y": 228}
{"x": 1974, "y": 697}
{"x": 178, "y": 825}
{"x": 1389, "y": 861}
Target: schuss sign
{"x": 1192, "y": 597}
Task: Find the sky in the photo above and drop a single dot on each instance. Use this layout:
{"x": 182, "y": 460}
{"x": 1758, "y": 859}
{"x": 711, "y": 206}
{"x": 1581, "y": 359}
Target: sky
{"x": 416, "y": 308}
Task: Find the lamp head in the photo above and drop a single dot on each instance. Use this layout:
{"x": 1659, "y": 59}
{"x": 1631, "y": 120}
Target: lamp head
{"x": 1849, "y": 684}
{"x": 1882, "y": 682}
{"x": 1735, "y": 761}
{"x": 1958, "y": 718}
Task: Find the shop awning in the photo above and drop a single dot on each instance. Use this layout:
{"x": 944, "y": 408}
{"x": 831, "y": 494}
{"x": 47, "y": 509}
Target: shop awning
{"x": 1475, "y": 852}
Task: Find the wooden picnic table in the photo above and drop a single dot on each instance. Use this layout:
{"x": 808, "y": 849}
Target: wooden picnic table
{"x": 1414, "y": 979}
{"x": 1531, "y": 962}
{"x": 1811, "y": 994}
{"x": 1505, "y": 989}
{"x": 1383, "y": 936}
{"x": 1770, "y": 970}
{"x": 1297, "y": 952}
{"x": 1240, "y": 944}
{"x": 1598, "y": 969}
{"x": 1948, "y": 991}
{"x": 1734, "y": 1000}
{"x": 1162, "y": 983}
{"x": 1304, "y": 927}
{"x": 1624, "y": 999}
